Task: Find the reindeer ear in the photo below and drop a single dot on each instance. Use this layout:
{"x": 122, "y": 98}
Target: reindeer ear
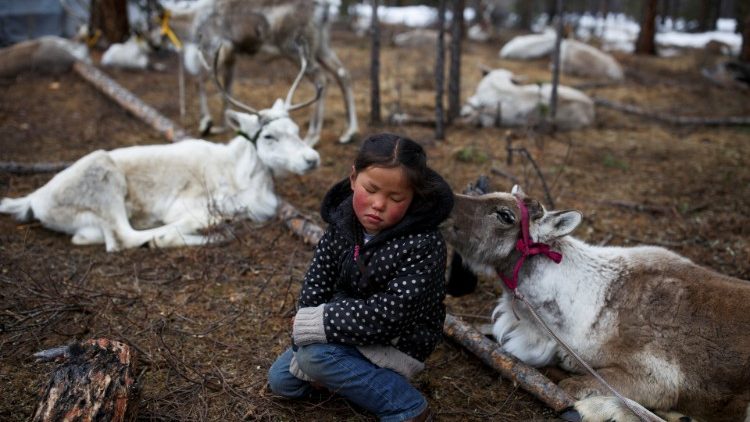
{"x": 517, "y": 191}
{"x": 558, "y": 224}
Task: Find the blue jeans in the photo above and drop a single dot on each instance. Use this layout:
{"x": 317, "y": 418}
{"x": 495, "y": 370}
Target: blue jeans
{"x": 344, "y": 371}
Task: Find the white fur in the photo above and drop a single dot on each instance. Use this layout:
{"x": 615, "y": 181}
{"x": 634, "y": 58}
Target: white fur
{"x": 164, "y": 194}
{"x": 524, "y": 104}
{"x": 132, "y": 54}
{"x": 529, "y": 47}
{"x": 661, "y": 330}
{"x": 577, "y": 58}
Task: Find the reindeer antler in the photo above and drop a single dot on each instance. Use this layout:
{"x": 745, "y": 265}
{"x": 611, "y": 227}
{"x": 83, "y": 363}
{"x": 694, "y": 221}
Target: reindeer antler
{"x": 229, "y": 98}
{"x": 302, "y": 49}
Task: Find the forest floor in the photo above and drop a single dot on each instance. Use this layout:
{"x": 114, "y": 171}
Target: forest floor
{"x": 207, "y": 322}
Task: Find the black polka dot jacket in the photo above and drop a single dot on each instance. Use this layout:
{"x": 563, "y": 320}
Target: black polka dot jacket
{"x": 385, "y": 296}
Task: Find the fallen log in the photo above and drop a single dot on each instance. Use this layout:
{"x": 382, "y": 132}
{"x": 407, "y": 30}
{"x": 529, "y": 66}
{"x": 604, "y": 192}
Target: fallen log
{"x": 485, "y": 349}
{"x": 509, "y": 367}
{"x": 31, "y": 168}
{"x": 129, "y": 101}
{"x": 95, "y": 381}
{"x": 301, "y": 225}
{"x": 672, "y": 119}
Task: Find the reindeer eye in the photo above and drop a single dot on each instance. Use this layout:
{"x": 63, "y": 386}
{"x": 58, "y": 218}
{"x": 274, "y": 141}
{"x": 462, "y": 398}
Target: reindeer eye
{"x": 505, "y": 216}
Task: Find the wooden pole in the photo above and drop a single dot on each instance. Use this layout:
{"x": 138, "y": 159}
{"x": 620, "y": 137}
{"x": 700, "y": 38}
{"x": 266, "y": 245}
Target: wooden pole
{"x": 129, "y": 101}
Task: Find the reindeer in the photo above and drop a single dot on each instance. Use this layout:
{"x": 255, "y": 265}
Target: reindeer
{"x": 231, "y": 27}
{"x": 500, "y": 100}
{"x": 162, "y": 195}
{"x": 660, "y": 329}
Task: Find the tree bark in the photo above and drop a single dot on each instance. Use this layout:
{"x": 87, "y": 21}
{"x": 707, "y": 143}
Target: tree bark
{"x": 96, "y": 381}
{"x": 745, "y": 50}
{"x": 454, "y": 78}
{"x": 375, "y": 118}
{"x": 645, "y": 43}
{"x": 440, "y": 73}
{"x": 111, "y": 18}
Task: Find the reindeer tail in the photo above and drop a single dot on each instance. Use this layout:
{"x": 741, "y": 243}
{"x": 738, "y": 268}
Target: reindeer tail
{"x": 20, "y": 208}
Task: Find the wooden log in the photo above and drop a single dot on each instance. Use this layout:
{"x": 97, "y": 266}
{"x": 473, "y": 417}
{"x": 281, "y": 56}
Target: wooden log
{"x": 509, "y": 367}
{"x": 129, "y": 101}
{"x": 485, "y": 349}
{"x": 672, "y": 119}
{"x": 301, "y": 225}
{"x": 95, "y": 381}
{"x": 31, "y": 168}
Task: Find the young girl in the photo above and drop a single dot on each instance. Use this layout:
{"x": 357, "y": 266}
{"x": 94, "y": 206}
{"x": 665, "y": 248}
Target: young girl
{"x": 371, "y": 306}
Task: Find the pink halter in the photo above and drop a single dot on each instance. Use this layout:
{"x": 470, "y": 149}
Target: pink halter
{"x": 527, "y": 248}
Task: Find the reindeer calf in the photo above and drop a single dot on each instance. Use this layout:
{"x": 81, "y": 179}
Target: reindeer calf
{"x": 661, "y": 330}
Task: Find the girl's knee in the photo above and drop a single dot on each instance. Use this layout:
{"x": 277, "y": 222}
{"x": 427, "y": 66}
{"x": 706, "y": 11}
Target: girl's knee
{"x": 313, "y": 359}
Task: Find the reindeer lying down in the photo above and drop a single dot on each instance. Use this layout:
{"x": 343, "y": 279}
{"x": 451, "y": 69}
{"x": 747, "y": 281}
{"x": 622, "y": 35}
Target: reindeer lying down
{"x": 163, "y": 194}
{"x": 661, "y": 330}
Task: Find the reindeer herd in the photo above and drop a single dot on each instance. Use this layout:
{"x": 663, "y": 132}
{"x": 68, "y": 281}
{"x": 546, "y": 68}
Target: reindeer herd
{"x": 663, "y": 331}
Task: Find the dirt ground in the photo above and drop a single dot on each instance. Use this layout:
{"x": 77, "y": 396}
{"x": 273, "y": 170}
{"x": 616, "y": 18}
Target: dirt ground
{"x": 207, "y": 322}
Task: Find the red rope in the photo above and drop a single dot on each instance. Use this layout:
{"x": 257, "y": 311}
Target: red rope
{"x": 527, "y": 248}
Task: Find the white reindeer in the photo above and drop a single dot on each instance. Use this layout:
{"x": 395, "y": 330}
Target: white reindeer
{"x": 500, "y": 101}
{"x": 661, "y": 330}
{"x": 231, "y": 27}
{"x": 162, "y": 195}
{"x": 581, "y": 59}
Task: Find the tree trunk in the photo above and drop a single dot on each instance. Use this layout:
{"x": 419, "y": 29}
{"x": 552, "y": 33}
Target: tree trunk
{"x": 440, "y": 73}
{"x": 454, "y": 78}
{"x": 110, "y": 18}
{"x": 708, "y": 15}
{"x": 745, "y": 18}
{"x": 645, "y": 43}
{"x": 556, "y": 65}
{"x": 96, "y": 381}
{"x": 375, "y": 67}
{"x": 524, "y": 14}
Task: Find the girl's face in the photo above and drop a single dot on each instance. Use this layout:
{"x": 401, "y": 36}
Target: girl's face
{"x": 381, "y": 197}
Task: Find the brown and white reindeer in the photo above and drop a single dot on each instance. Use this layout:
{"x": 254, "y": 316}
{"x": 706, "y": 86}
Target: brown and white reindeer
{"x": 164, "y": 195}
{"x": 232, "y": 27}
{"x": 663, "y": 331}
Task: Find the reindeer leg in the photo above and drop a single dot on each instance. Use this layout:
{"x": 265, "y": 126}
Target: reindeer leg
{"x": 596, "y": 402}
{"x": 228, "y": 75}
{"x": 206, "y": 122}
{"x": 316, "y": 121}
{"x": 332, "y": 64}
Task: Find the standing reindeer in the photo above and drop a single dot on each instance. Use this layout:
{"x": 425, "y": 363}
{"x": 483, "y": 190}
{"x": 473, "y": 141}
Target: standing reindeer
{"x": 230, "y": 27}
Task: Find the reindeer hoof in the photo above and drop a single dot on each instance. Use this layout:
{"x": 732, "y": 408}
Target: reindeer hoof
{"x": 205, "y": 126}
{"x": 348, "y": 137}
